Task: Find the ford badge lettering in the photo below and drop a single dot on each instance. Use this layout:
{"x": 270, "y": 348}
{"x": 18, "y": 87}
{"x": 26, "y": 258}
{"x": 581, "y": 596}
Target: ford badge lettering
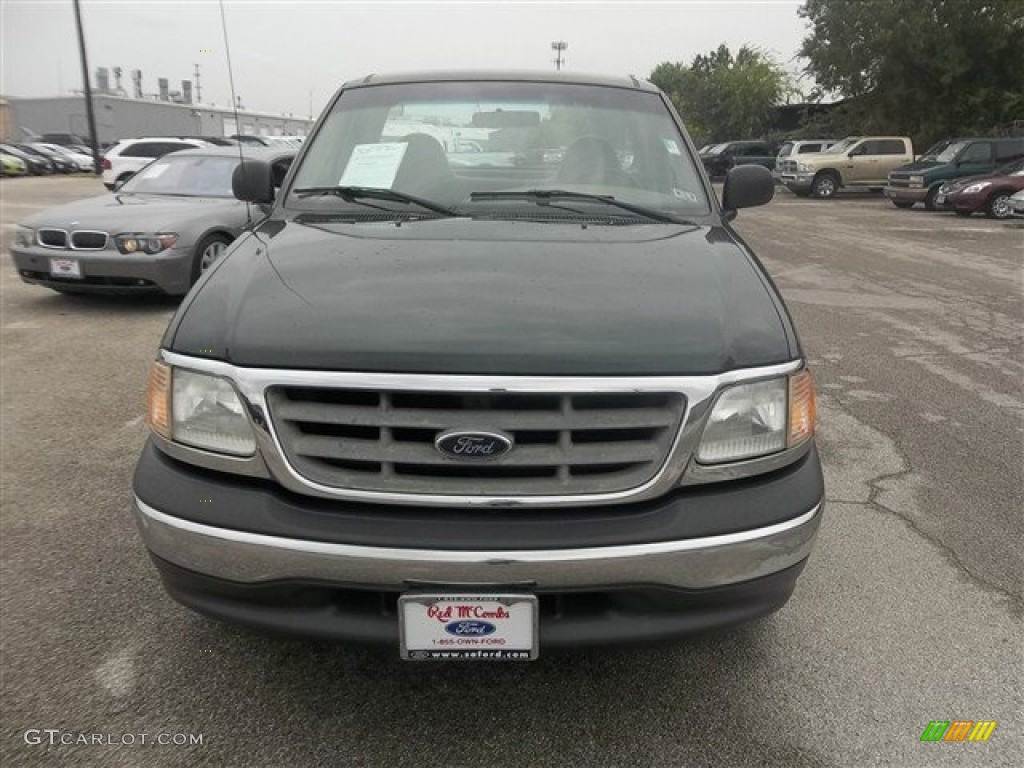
{"x": 469, "y": 628}
{"x": 473, "y": 446}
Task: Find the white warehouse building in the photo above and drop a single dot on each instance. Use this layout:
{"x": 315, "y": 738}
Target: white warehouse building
{"x": 120, "y": 116}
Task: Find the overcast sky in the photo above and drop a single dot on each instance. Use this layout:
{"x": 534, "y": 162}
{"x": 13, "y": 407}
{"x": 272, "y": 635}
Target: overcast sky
{"x": 282, "y": 51}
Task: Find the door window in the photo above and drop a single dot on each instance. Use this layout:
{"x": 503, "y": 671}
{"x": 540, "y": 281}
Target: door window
{"x": 144, "y": 149}
{"x": 1009, "y": 149}
{"x": 891, "y": 147}
{"x": 979, "y": 152}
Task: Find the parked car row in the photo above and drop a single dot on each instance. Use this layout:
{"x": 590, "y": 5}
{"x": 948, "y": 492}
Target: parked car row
{"x": 965, "y": 175}
{"x": 39, "y": 158}
{"x": 940, "y": 178}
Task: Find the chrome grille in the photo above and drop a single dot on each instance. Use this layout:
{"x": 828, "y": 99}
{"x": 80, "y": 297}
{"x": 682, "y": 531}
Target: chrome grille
{"x": 565, "y": 443}
{"x": 52, "y": 238}
{"x": 88, "y": 240}
{"x": 787, "y": 166}
{"x": 899, "y": 181}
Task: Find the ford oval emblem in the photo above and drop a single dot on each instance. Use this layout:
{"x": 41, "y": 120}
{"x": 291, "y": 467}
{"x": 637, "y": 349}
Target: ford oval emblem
{"x": 473, "y": 446}
{"x": 469, "y": 628}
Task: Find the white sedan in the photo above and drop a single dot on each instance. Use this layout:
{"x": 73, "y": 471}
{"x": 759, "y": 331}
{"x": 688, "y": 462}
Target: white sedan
{"x": 82, "y": 162}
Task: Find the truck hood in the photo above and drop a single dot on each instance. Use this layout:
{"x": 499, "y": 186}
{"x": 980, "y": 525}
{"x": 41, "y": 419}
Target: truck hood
{"x": 486, "y": 297}
{"x": 918, "y": 166}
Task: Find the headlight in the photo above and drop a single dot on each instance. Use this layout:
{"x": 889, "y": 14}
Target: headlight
{"x": 136, "y": 243}
{"x": 917, "y": 181}
{"x": 757, "y": 419}
{"x": 24, "y": 236}
{"x": 802, "y": 167}
{"x": 976, "y": 187}
{"x": 199, "y": 410}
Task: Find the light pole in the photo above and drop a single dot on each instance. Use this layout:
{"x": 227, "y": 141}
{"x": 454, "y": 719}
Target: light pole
{"x": 93, "y": 139}
{"x": 558, "y": 46}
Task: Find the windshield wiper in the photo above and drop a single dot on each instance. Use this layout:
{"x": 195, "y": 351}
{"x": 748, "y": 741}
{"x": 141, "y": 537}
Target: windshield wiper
{"x": 541, "y": 196}
{"x": 356, "y": 194}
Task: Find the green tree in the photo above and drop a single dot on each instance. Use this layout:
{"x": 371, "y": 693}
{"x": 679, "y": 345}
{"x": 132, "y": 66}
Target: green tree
{"x": 926, "y": 68}
{"x": 723, "y": 97}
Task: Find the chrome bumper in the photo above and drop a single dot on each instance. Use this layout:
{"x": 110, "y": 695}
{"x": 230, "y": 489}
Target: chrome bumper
{"x": 689, "y": 564}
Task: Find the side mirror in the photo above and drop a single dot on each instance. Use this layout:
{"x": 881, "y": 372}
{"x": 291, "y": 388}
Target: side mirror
{"x": 745, "y": 187}
{"x": 253, "y": 182}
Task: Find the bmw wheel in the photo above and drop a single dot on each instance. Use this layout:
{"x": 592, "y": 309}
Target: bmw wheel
{"x": 209, "y": 250}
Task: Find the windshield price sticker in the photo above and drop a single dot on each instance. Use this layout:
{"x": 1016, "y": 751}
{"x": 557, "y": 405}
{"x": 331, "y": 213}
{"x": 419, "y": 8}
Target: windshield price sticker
{"x": 468, "y": 627}
{"x": 373, "y": 165}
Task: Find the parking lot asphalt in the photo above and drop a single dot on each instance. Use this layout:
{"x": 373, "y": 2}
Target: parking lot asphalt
{"x": 909, "y": 611}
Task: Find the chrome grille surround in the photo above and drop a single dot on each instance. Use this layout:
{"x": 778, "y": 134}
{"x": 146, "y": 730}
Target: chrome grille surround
{"x": 697, "y": 394}
{"x": 89, "y": 240}
{"x": 51, "y": 237}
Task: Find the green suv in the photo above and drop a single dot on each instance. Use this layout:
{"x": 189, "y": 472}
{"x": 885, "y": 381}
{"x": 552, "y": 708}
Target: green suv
{"x": 919, "y": 181}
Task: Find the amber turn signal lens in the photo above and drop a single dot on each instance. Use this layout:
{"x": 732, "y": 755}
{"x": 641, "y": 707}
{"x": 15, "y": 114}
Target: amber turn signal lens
{"x": 802, "y": 408}
{"x": 158, "y": 398}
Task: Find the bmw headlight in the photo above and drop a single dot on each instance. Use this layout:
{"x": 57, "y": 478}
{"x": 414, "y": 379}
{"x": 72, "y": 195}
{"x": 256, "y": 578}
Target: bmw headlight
{"x": 917, "y": 181}
{"x": 24, "y": 237}
{"x": 140, "y": 243}
{"x": 976, "y": 187}
{"x": 199, "y": 410}
{"x": 757, "y": 419}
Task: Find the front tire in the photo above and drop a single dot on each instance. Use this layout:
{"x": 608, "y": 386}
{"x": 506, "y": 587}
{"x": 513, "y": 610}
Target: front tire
{"x": 825, "y": 186}
{"x": 209, "y": 250}
{"x": 903, "y": 203}
{"x": 929, "y": 199}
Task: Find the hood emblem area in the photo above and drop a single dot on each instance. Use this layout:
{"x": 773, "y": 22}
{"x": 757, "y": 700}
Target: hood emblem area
{"x": 473, "y": 445}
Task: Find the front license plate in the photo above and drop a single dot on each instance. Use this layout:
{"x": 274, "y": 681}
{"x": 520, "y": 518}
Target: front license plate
{"x": 65, "y": 268}
{"x": 468, "y": 627}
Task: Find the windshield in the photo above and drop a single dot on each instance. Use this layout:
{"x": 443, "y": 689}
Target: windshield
{"x": 785, "y": 149}
{"x": 841, "y": 147}
{"x": 445, "y": 141}
{"x": 184, "y": 175}
{"x": 933, "y": 151}
{"x": 948, "y": 154}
